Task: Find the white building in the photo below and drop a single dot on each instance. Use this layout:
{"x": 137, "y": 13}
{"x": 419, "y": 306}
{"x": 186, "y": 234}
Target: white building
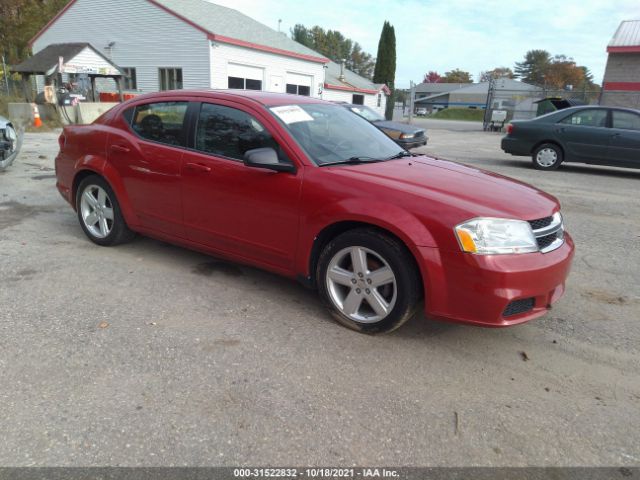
{"x": 175, "y": 44}
{"x": 342, "y": 85}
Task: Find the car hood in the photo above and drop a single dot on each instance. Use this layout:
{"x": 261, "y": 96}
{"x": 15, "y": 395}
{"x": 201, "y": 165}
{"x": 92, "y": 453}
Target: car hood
{"x": 464, "y": 191}
{"x": 401, "y": 127}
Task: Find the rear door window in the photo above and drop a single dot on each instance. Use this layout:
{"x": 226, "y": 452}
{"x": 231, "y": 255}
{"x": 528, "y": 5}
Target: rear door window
{"x": 588, "y": 118}
{"x": 161, "y": 122}
{"x": 626, "y": 120}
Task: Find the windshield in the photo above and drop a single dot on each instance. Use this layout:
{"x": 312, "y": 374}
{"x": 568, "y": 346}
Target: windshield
{"x": 367, "y": 113}
{"x": 331, "y": 134}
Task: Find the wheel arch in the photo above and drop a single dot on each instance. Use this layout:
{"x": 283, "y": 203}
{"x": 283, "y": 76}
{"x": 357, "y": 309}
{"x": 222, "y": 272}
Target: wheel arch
{"x": 553, "y": 142}
{"x": 109, "y": 175}
{"x": 335, "y": 229}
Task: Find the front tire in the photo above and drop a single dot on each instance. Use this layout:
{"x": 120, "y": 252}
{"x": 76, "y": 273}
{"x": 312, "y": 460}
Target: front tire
{"x": 547, "y": 156}
{"x": 368, "y": 281}
{"x": 99, "y": 213}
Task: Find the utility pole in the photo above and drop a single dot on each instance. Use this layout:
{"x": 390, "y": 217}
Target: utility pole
{"x": 412, "y": 94}
{"x": 6, "y": 77}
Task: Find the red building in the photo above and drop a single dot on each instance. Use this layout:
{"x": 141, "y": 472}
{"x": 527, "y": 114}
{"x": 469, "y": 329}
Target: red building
{"x": 621, "y": 84}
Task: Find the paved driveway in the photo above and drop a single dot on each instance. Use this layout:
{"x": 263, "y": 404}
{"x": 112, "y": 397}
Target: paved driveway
{"x": 149, "y": 354}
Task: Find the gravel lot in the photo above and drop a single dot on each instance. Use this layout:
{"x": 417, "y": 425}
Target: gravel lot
{"x": 149, "y": 354}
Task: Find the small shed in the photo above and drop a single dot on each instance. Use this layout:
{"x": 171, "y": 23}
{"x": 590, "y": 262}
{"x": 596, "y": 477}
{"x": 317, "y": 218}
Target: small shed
{"x": 71, "y": 59}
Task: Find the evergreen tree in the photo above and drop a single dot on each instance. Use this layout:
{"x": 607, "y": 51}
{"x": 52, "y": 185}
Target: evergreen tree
{"x": 534, "y": 67}
{"x": 332, "y": 44}
{"x": 385, "y": 71}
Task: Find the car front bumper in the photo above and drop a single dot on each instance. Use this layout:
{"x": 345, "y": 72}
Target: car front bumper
{"x": 477, "y": 289}
{"x": 412, "y": 142}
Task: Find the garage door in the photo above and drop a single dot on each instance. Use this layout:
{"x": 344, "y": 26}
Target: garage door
{"x": 245, "y": 76}
{"x": 298, "y": 84}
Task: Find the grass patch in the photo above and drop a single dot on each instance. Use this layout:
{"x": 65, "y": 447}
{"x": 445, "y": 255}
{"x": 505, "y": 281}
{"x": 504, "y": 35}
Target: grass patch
{"x": 466, "y": 114}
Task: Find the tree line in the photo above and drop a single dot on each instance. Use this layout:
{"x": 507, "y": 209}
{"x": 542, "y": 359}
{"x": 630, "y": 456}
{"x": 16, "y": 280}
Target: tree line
{"x": 539, "y": 68}
{"x": 335, "y": 46}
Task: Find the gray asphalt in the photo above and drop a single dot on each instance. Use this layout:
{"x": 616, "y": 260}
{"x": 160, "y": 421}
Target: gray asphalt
{"x": 149, "y": 354}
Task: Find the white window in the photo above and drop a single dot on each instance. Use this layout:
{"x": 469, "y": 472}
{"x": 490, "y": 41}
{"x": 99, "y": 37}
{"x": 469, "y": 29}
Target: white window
{"x": 130, "y": 80}
{"x": 170, "y": 78}
{"x": 244, "y": 77}
{"x": 299, "y": 84}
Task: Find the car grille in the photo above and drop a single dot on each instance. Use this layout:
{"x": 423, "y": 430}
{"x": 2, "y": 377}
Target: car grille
{"x": 541, "y": 223}
{"x": 518, "y": 306}
{"x": 419, "y": 134}
{"x": 549, "y": 232}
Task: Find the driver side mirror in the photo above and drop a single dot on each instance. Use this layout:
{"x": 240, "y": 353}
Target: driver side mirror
{"x": 266, "y": 158}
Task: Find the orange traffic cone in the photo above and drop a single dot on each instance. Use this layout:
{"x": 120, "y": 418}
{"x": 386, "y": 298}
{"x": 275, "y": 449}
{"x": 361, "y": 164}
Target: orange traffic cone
{"x": 37, "y": 122}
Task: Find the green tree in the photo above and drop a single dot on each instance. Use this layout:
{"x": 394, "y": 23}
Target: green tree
{"x": 562, "y": 72}
{"x": 534, "y": 67}
{"x": 457, "y": 76}
{"x": 332, "y": 44}
{"x": 498, "y": 72}
{"x": 385, "y": 70}
{"x": 20, "y": 20}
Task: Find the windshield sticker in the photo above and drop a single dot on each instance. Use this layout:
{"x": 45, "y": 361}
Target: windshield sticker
{"x": 292, "y": 114}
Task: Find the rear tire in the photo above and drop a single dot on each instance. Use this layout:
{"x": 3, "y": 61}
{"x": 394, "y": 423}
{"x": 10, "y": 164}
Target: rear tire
{"x": 368, "y": 281}
{"x": 99, "y": 213}
{"x": 547, "y": 156}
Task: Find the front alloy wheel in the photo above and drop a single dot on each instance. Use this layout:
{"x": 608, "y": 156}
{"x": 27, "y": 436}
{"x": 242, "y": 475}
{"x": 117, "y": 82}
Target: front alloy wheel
{"x": 368, "y": 280}
{"x": 361, "y": 284}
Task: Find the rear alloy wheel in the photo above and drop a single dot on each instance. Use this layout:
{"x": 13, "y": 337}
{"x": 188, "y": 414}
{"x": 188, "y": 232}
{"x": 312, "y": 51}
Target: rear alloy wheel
{"x": 99, "y": 213}
{"x": 547, "y": 156}
{"x": 369, "y": 281}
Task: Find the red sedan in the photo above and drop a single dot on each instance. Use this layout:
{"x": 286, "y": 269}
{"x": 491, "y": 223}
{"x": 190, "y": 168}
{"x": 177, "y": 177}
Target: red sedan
{"x": 308, "y": 190}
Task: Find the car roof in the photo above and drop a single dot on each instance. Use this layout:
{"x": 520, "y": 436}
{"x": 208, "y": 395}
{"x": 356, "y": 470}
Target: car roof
{"x": 265, "y": 98}
{"x": 596, "y": 107}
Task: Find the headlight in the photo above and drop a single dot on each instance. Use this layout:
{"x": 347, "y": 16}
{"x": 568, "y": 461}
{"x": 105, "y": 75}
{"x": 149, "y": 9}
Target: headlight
{"x": 407, "y": 135}
{"x": 487, "y": 236}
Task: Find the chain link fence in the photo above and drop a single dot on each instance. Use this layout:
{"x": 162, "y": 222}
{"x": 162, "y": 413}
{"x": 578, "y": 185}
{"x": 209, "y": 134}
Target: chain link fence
{"x": 10, "y": 90}
{"x": 531, "y": 101}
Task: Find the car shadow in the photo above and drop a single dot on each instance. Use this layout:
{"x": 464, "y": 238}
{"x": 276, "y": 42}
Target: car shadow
{"x": 586, "y": 169}
{"x": 422, "y": 327}
{"x": 270, "y": 285}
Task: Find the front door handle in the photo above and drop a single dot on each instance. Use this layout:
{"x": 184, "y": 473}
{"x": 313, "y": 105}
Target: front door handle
{"x": 120, "y": 148}
{"x": 197, "y": 167}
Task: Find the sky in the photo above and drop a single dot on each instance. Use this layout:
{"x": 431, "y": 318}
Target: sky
{"x": 473, "y": 35}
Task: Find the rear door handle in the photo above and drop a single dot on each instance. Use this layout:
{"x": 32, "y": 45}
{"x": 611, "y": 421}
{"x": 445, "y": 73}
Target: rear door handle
{"x": 197, "y": 167}
{"x": 120, "y": 148}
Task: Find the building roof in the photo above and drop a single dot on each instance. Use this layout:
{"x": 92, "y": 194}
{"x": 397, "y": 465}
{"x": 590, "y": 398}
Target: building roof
{"x": 626, "y": 38}
{"x": 47, "y": 60}
{"x": 225, "y": 25}
{"x": 439, "y": 87}
{"x": 505, "y": 84}
{"x": 352, "y": 81}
